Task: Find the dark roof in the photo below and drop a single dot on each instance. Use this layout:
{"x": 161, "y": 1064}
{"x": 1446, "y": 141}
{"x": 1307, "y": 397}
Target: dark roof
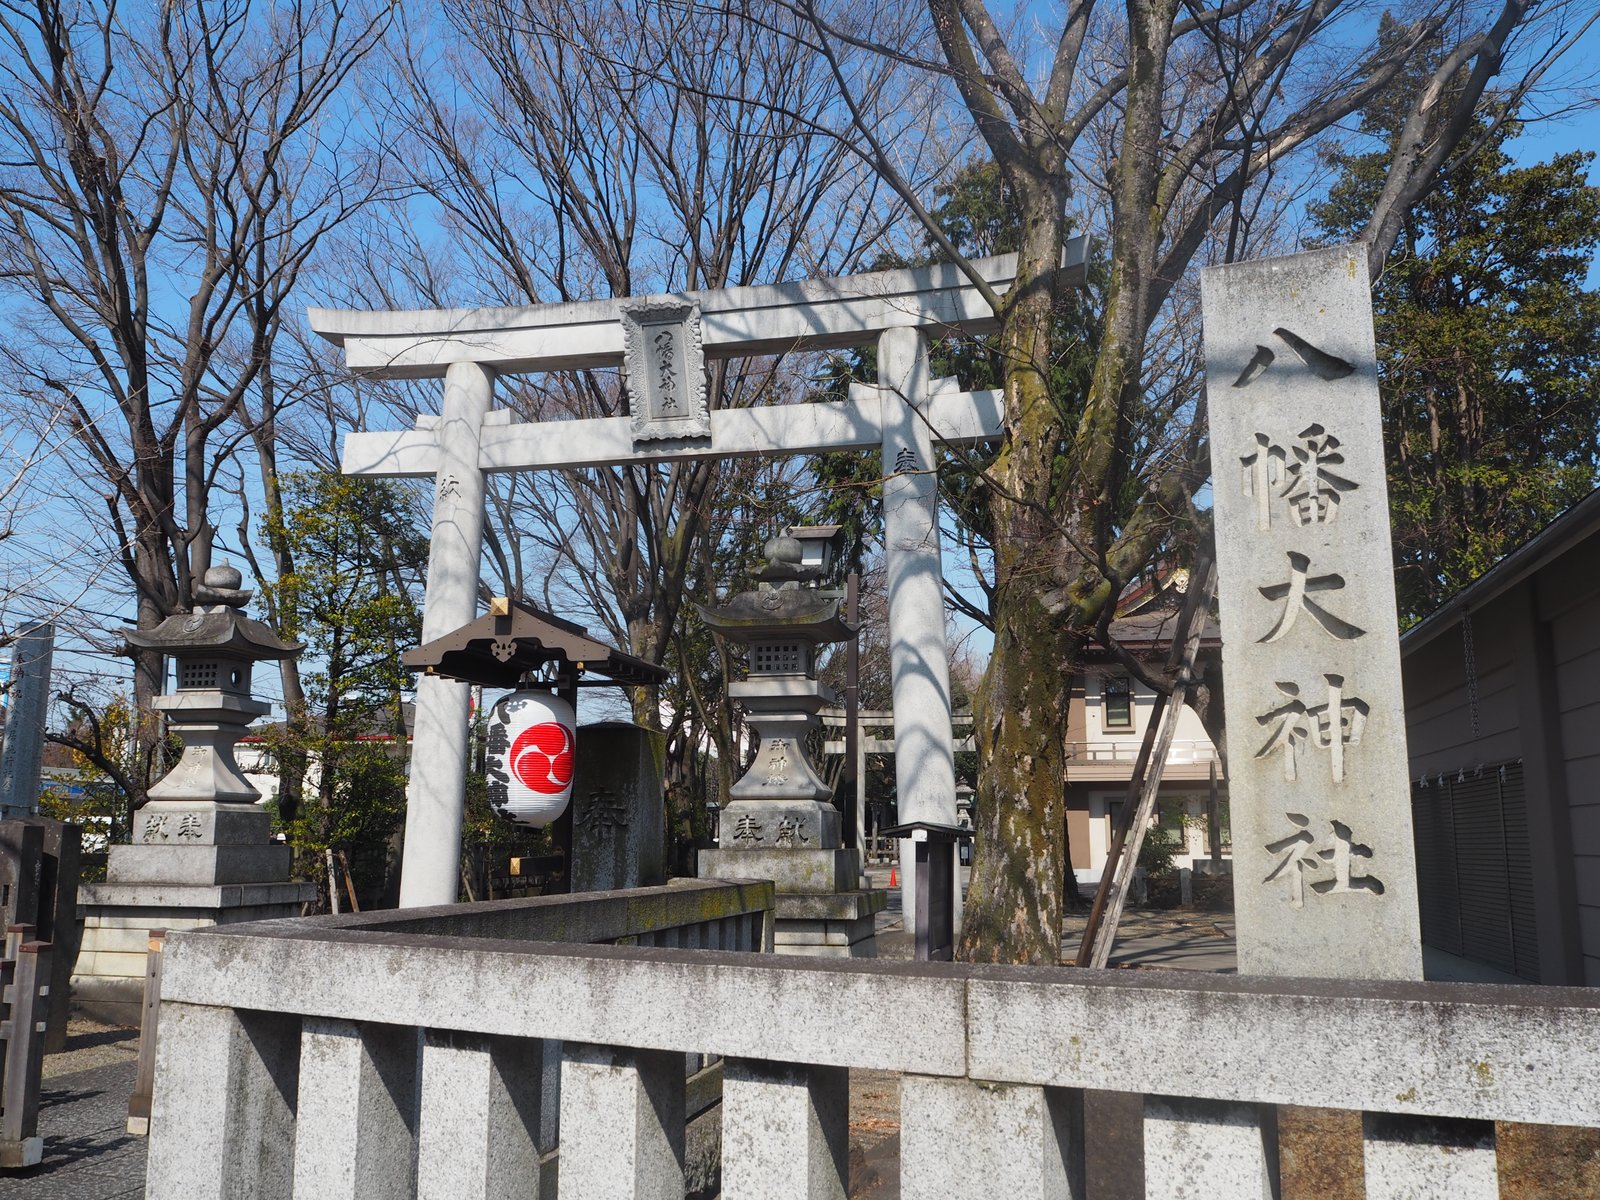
{"x": 497, "y": 651}
{"x": 1148, "y": 617}
{"x": 1152, "y": 630}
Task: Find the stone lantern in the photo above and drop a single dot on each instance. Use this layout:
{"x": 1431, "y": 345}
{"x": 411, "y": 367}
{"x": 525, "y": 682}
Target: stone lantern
{"x": 202, "y": 851}
{"x": 213, "y": 648}
{"x": 779, "y": 823}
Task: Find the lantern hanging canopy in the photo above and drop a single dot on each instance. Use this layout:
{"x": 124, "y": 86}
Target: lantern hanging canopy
{"x": 532, "y": 734}
{"x": 513, "y": 639}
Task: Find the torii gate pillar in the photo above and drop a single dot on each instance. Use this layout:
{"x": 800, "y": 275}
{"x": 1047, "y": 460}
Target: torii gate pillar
{"x": 919, "y": 664}
{"x": 436, "y": 792}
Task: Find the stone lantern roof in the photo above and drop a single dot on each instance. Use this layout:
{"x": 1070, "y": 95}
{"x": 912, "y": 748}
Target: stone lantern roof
{"x": 787, "y": 604}
{"x": 806, "y": 614}
{"x": 218, "y": 627}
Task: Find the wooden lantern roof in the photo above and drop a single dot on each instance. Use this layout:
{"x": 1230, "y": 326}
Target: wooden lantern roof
{"x": 513, "y": 638}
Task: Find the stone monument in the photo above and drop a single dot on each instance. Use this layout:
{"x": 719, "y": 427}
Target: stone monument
{"x": 202, "y": 851}
{"x": 619, "y": 836}
{"x": 22, "y": 748}
{"x": 779, "y": 823}
{"x": 1325, "y": 880}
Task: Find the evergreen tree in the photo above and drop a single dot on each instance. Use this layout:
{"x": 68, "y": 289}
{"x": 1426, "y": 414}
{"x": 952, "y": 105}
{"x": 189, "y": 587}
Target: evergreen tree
{"x": 352, "y": 598}
{"x": 1489, "y": 355}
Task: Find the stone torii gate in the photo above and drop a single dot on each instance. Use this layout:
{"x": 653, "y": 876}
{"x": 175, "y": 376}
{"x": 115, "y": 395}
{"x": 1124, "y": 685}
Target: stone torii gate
{"x": 661, "y": 341}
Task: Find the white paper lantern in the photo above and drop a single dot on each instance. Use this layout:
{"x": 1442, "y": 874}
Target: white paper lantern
{"x": 531, "y": 746}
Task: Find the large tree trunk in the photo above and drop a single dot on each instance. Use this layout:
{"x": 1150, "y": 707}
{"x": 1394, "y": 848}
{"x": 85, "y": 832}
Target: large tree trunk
{"x": 1053, "y": 522}
{"x": 1014, "y": 905}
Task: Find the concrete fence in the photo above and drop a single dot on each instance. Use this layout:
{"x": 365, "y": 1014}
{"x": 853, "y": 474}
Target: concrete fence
{"x": 301, "y": 1059}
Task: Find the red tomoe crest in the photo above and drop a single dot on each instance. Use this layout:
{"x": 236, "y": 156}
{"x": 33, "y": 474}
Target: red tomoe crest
{"x": 541, "y": 757}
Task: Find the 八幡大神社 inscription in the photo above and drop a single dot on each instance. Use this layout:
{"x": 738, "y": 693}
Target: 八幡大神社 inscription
{"x": 1319, "y": 800}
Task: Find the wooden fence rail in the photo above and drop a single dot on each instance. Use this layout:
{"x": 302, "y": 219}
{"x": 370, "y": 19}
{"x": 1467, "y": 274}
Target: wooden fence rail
{"x": 24, "y": 1001}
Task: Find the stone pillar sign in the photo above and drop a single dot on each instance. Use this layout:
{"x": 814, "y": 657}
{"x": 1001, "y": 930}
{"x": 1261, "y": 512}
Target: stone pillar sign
{"x": 618, "y": 830}
{"x": 1325, "y": 872}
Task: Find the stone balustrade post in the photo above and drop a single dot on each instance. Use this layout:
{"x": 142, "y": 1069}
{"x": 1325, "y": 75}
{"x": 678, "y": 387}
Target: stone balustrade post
{"x": 961, "y": 1139}
{"x": 1415, "y": 1158}
{"x": 785, "y": 1131}
{"x": 481, "y": 1116}
{"x": 1203, "y": 1148}
{"x": 356, "y": 1123}
{"x": 223, "y": 1114}
{"x": 622, "y": 1123}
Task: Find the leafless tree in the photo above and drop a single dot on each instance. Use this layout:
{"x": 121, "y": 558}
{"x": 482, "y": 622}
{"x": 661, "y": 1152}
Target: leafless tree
{"x": 165, "y": 176}
{"x": 578, "y": 149}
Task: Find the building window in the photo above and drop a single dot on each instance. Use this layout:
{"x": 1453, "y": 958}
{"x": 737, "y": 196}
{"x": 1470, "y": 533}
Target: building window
{"x": 1117, "y": 693}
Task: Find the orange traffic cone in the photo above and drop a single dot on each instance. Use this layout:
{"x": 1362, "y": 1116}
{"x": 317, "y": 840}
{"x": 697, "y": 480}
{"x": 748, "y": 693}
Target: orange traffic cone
{"x": 894, "y": 880}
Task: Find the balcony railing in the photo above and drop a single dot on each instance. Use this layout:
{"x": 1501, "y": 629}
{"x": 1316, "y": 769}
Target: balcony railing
{"x": 1109, "y": 751}
{"x": 309, "y": 1059}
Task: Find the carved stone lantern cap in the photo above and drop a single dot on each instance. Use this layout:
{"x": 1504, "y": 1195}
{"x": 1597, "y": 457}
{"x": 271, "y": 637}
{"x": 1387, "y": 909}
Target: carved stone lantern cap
{"x": 798, "y": 614}
{"x": 803, "y": 554}
{"x": 220, "y": 587}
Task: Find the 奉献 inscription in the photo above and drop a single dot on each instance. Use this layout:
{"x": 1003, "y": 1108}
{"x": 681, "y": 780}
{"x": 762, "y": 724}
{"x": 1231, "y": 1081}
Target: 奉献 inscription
{"x": 602, "y": 815}
{"x": 791, "y": 832}
{"x": 747, "y": 829}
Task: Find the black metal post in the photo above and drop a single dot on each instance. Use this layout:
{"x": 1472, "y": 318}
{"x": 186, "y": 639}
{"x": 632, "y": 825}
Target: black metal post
{"x": 852, "y": 718}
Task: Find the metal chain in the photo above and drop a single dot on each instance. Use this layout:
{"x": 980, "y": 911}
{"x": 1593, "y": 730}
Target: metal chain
{"x": 1469, "y": 656}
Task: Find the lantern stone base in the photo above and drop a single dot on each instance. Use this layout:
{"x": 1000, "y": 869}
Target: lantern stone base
{"x": 812, "y": 872}
{"x": 204, "y": 866}
{"x": 819, "y": 911}
{"x": 108, "y": 981}
{"x": 837, "y": 926}
{"x": 201, "y": 823}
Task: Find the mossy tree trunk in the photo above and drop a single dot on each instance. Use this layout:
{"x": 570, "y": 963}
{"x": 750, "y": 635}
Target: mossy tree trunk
{"x": 1081, "y": 504}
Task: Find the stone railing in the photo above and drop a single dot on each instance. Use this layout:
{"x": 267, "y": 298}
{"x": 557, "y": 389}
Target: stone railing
{"x": 290, "y": 1065}
{"x": 433, "y": 1099}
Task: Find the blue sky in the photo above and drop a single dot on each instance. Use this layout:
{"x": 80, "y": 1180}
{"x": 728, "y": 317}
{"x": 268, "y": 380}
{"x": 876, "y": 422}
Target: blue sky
{"x": 1541, "y": 139}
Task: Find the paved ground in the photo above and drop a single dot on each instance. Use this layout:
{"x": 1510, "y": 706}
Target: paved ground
{"x": 88, "y": 1154}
